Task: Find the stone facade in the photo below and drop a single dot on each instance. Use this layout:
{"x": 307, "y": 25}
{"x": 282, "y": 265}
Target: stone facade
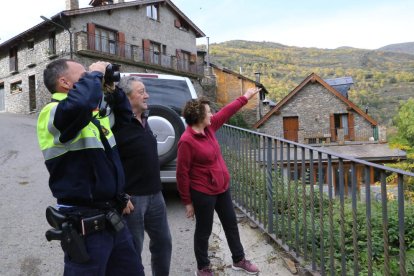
{"x": 313, "y": 105}
{"x": 130, "y": 20}
{"x": 231, "y": 86}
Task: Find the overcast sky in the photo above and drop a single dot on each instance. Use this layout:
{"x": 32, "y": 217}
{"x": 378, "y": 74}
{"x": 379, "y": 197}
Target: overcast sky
{"x": 367, "y": 24}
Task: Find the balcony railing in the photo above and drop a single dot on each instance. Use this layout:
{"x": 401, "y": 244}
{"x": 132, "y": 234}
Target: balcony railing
{"x": 334, "y": 214}
{"x": 324, "y": 136}
{"x": 117, "y": 49}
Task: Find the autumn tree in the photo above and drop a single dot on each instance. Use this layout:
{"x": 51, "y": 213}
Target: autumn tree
{"x": 404, "y": 140}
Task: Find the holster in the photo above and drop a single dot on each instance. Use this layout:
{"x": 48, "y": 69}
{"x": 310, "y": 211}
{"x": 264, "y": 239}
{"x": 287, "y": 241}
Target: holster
{"x": 71, "y": 228}
{"x": 65, "y": 231}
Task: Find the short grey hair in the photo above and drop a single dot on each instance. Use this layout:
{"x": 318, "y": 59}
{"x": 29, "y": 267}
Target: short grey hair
{"x": 126, "y": 83}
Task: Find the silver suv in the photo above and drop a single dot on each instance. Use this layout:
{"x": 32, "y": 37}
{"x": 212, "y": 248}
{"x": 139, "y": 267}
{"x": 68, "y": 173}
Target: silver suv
{"x": 167, "y": 96}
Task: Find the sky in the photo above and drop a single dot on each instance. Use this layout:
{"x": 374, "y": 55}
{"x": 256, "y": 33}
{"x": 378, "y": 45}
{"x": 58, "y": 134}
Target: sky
{"x": 366, "y": 24}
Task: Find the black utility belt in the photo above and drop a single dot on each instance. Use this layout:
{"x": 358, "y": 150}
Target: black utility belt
{"x": 109, "y": 219}
{"x": 92, "y": 225}
{"x": 85, "y": 222}
{"x": 72, "y": 226}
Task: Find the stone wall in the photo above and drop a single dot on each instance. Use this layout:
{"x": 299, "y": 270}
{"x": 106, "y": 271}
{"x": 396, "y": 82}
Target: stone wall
{"x": 229, "y": 87}
{"x": 132, "y": 21}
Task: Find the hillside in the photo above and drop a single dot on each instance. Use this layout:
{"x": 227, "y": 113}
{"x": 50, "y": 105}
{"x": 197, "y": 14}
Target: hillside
{"x": 381, "y": 78}
{"x": 407, "y": 48}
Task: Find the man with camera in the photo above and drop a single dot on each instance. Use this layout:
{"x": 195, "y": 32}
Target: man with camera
{"x": 86, "y": 174}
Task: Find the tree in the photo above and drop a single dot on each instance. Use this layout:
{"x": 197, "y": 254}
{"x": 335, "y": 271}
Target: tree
{"x": 404, "y": 121}
{"x": 404, "y": 140}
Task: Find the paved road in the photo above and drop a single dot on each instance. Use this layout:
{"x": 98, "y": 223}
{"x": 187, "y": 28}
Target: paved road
{"x": 24, "y": 195}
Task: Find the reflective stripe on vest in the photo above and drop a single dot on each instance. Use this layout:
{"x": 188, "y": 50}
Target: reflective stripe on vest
{"x": 87, "y": 138}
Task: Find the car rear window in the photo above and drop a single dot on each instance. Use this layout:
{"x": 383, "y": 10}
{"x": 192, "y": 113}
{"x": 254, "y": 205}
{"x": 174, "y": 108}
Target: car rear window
{"x": 167, "y": 92}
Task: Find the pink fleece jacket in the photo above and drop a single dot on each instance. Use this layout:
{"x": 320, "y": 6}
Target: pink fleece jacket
{"x": 200, "y": 165}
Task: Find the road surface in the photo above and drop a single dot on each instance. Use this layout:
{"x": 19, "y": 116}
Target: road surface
{"x": 25, "y": 195}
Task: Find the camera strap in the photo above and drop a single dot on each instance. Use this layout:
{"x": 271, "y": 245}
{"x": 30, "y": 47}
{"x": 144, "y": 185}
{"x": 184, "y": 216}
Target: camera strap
{"x": 108, "y": 149}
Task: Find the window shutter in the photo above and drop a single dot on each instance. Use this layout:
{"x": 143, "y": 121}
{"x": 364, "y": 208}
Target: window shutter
{"x": 146, "y": 45}
{"x": 177, "y": 23}
{"x": 332, "y": 126}
{"x": 193, "y": 58}
{"x": 351, "y": 126}
{"x": 91, "y": 36}
{"x": 121, "y": 44}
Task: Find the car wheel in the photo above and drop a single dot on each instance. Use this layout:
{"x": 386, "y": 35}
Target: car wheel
{"x": 167, "y": 127}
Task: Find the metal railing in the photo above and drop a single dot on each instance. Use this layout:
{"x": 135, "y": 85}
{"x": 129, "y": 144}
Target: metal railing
{"x": 322, "y": 207}
{"x": 85, "y": 41}
{"x": 324, "y": 136}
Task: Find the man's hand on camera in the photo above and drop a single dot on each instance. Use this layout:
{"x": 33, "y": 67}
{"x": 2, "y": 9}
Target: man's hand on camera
{"x": 99, "y": 66}
{"x": 109, "y": 88}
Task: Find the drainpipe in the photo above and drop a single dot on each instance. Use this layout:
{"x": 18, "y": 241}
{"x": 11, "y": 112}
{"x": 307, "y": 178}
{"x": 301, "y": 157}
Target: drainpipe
{"x": 257, "y": 74}
{"x": 208, "y": 56}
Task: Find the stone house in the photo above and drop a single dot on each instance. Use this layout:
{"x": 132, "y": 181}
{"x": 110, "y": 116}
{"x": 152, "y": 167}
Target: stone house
{"x": 141, "y": 36}
{"x": 317, "y": 113}
{"x": 230, "y": 85}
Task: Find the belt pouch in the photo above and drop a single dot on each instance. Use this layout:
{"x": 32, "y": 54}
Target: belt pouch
{"x": 93, "y": 224}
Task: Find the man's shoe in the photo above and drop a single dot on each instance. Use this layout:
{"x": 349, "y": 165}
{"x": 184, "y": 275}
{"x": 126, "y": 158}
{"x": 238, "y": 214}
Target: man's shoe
{"x": 246, "y": 266}
{"x": 206, "y": 271}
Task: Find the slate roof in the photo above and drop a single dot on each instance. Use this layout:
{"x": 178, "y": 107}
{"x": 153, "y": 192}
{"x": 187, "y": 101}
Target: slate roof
{"x": 342, "y": 84}
{"x": 68, "y": 13}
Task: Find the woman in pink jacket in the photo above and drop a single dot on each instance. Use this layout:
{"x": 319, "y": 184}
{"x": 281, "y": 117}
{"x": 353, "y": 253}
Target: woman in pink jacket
{"x": 203, "y": 180}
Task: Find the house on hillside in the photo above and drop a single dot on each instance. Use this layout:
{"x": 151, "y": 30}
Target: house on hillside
{"x": 141, "y": 36}
{"x": 318, "y": 112}
{"x": 230, "y": 85}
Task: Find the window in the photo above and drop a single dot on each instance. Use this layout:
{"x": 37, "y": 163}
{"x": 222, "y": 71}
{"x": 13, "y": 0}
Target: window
{"x": 152, "y": 12}
{"x": 30, "y": 44}
{"x": 341, "y": 121}
{"x": 105, "y": 40}
{"x": 155, "y": 49}
{"x": 13, "y": 59}
{"x": 52, "y": 43}
{"x": 154, "y": 52}
{"x": 16, "y": 87}
{"x": 182, "y": 25}
{"x": 185, "y": 59}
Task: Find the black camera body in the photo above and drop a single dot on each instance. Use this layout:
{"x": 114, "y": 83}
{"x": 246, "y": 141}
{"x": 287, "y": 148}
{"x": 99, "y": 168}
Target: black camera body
{"x": 112, "y": 74}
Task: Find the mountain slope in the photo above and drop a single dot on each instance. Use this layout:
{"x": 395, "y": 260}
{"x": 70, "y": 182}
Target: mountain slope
{"x": 407, "y": 48}
{"x": 381, "y": 78}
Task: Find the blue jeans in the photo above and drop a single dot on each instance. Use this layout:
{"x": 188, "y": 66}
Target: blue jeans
{"x": 150, "y": 214}
{"x": 111, "y": 254}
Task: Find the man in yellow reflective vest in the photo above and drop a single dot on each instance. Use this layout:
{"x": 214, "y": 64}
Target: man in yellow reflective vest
{"x": 86, "y": 174}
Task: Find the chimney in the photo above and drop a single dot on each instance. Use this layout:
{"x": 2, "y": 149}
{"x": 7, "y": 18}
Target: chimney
{"x": 72, "y": 4}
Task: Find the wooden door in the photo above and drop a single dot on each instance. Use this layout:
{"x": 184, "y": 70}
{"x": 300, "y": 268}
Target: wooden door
{"x": 290, "y": 128}
{"x": 32, "y": 93}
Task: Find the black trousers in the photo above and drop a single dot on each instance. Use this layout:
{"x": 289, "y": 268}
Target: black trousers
{"x": 204, "y": 206}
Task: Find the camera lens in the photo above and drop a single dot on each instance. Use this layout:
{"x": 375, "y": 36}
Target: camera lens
{"x": 112, "y": 74}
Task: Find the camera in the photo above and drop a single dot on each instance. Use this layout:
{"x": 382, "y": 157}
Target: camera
{"x": 112, "y": 74}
